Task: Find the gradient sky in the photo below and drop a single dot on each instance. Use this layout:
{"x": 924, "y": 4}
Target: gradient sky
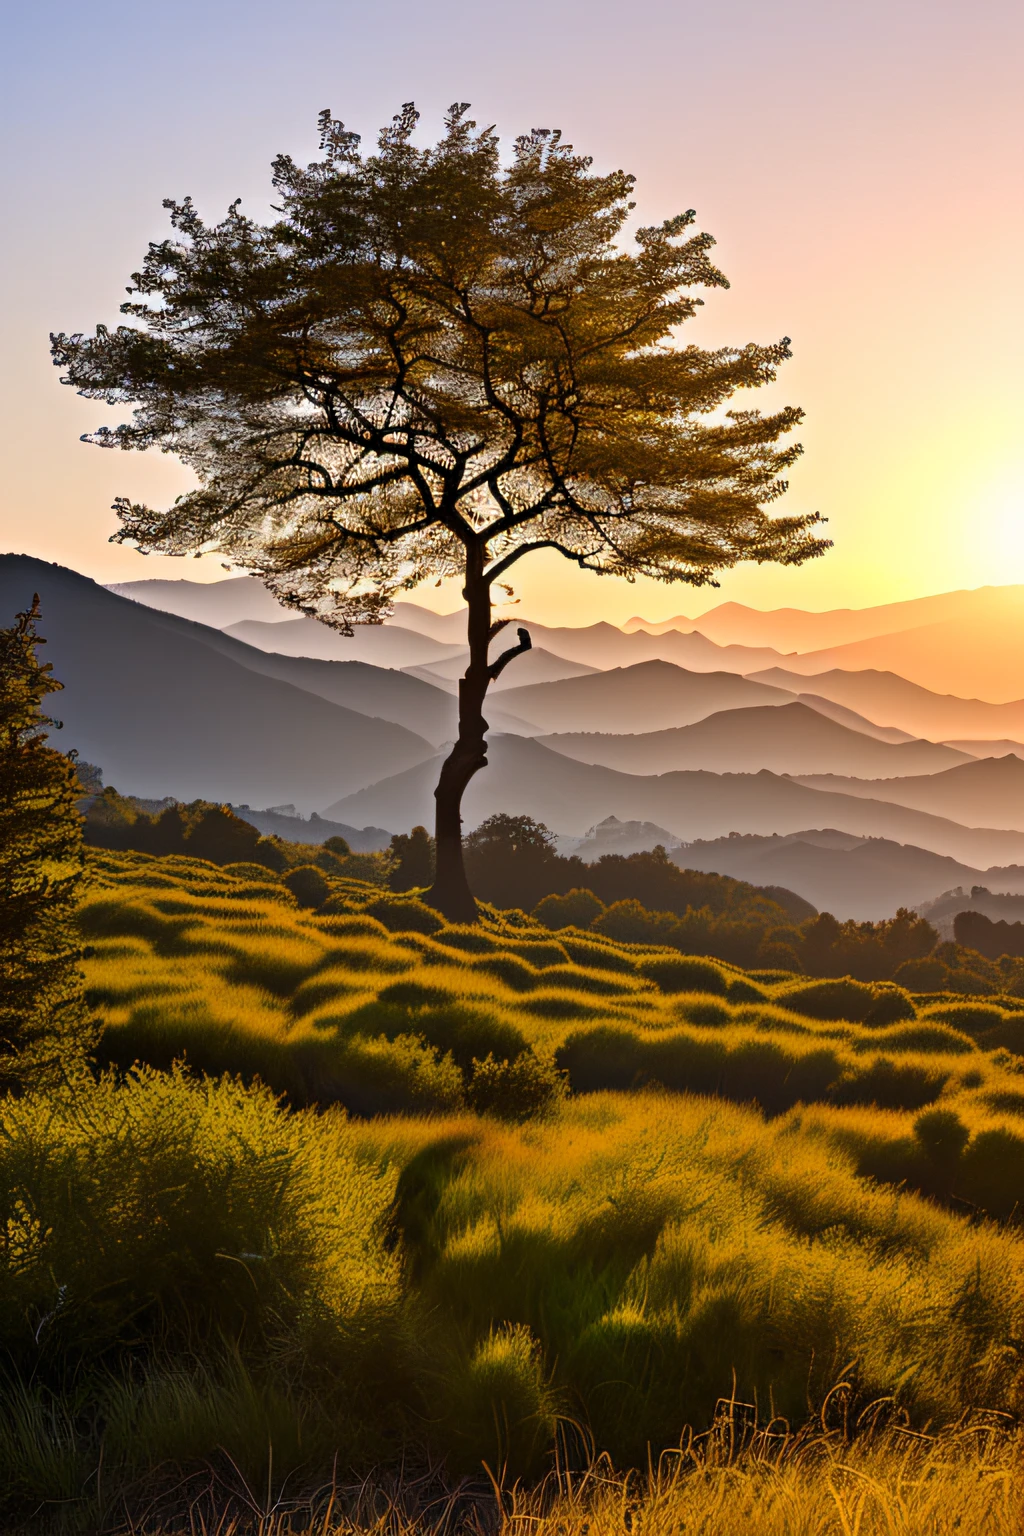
{"x": 860, "y": 165}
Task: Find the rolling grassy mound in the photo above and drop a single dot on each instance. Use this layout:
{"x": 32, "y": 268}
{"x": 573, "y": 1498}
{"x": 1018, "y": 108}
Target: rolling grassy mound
{"x": 375, "y": 1004}
{"x": 524, "y": 1189}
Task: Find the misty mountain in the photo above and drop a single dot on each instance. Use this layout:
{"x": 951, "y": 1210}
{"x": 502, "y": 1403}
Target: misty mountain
{"x": 420, "y": 703}
{"x": 569, "y": 796}
{"x": 985, "y": 793}
{"x": 605, "y": 645}
{"x": 536, "y": 666}
{"x": 284, "y": 821}
{"x": 216, "y": 603}
{"x": 448, "y": 628}
{"x": 426, "y": 709}
{"x": 972, "y": 657}
{"x": 998, "y": 904}
{"x": 647, "y": 697}
{"x": 785, "y": 738}
{"x": 625, "y": 837}
{"x": 866, "y": 727}
{"x": 163, "y": 713}
{"x": 220, "y": 603}
{"x": 891, "y": 700}
{"x": 988, "y": 748}
{"x": 383, "y": 645}
{"x": 866, "y": 879}
{"x": 795, "y": 629}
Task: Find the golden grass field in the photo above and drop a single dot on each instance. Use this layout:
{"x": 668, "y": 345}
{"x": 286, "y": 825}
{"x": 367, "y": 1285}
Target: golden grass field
{"x": 621, "y": 1240}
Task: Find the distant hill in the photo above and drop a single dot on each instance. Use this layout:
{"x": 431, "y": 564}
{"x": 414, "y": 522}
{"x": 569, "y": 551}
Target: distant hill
{"x": 298, "y": 829}
{"x": 784, "y": 738}
{"x": 425, "y": 708}
{"x": 535, "y": 666}
{"x": 448, "y": 628}
{"x": 796, "y": 629}
{"x": 163, "y": 711}
{"x": 987, "y": 793}
{"x": 861, "y": 723}
{"x": 976, "y": 654}
{"x": 220, "y": 603}
{"x": 217, "y": 603}
{"x": 891, "y": 700}
{"x": 866, "y": 879}
{"x": 421, "y": 703}
{"x": 988, "y": 748}
{"x": 605, "y": 645}
{"x": 1000, "y": 904}
{"x": 625, "y": 837}
{"x": 569, "y": 797}
{"x": 383, "y": 645}
{"x": 647, "y": 697}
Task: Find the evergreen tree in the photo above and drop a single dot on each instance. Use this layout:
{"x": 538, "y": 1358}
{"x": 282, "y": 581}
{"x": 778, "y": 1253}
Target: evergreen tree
{"x": 44, "y": 1024}
{"x": 434, "y": 362}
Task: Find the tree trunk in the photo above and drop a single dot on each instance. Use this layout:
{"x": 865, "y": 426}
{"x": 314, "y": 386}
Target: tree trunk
{"x": 450, "y": 893}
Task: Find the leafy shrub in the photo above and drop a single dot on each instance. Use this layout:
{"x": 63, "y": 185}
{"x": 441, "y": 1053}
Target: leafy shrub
{"x": 542, "y": 953}
{"x": 397, "y": 1076}
{"x": 511, "y": 970}
{"x": 596, "y": 955}
{"x": 1009, "y": 1035}
{"x": 974, "y": 1019}
{"x": 252, "y": 872}
{"x": 408, "y": 916}
{"x": 168, "y": 1208}
{"x": 930, "y": 1037}
{"x": 416, "y": 994}
{"x": 925, "y": 975}
{"x": 841, "y": 999}
{"x": 942, "y": 1136}
{"x": 707, "y": 1011}
{"x": 1008, "y": 1103}
{"x": 546, "y": 1004}
{"x": 576, "y": 909}
{"x": 475, "y": 941}
{"x": 308, "y": 885}
{"x": 683, "y": 974}
{"x": 627, "y": 922}
{"x": 891, "y": 1005}
{"x": 465, "y": 1030}
{"x": 741, "y": 989}
{"x": 744, "y": 1070}
{"x": 353, "y": 925}
{"x": 594, "y": 983}
{"x": 991, "y": 1173}
{"x": 891, "y": 1085}
{"x": 499, "y": 1407}
{"x": 514, "y": 1090}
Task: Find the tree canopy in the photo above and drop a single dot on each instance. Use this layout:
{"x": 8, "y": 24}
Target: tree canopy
{"x": 431, "y": 363}
{"x": 426, "y": 347}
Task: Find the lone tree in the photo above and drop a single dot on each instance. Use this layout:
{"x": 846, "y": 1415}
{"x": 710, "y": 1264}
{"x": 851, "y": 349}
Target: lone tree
{"x": 44, "y": 1023}
{"x": 432, "y": 364}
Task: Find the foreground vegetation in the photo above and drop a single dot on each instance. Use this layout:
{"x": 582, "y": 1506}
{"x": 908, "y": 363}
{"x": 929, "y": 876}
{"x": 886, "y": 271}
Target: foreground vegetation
{"x": 372, "y": 1002}
{"x": 494, "y": 1215}
{"x": 737, "y": 1477}
{"x": 528, "y": 1195}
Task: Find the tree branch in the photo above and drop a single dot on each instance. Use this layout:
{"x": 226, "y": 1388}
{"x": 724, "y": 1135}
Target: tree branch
{"x": 525, "y": 644}
{"x": 527, "y": 549}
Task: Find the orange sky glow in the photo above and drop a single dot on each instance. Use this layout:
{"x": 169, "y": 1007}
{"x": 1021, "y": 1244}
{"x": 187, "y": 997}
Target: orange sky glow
{"x": 860, "y": 166}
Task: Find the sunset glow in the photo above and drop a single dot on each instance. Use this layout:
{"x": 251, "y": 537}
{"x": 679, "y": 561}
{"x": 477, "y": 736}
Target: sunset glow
{"x": 873, "y": 214}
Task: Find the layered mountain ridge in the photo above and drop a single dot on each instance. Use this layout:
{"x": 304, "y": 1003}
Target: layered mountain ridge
{"x": 761, "y": 725}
